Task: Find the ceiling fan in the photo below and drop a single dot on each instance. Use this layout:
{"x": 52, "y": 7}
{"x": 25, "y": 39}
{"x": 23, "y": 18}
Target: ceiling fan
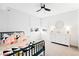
{"x": 43, "y": 7}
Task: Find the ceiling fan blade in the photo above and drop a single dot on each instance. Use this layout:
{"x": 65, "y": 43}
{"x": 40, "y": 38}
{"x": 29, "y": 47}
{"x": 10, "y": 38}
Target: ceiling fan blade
{"x": 38, "y": 10}
{"x": 47, "y": 9}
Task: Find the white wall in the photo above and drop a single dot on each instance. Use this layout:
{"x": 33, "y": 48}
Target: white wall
{"x": 34, "y": 23}
{"x": 16, "y": 20}
{"x": 70, "y": 19}
{"x": 19, "y": 21}
{"x": 78, "y": 28}
{"x": 3, "y": 21}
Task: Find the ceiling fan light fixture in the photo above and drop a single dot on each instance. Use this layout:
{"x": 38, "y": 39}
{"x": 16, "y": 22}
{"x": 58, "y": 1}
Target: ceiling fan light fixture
{"x": 43, "y": 7}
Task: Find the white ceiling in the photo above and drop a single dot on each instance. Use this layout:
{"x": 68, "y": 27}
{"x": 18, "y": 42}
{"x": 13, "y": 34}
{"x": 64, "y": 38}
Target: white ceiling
{"x": 31, "y": 8}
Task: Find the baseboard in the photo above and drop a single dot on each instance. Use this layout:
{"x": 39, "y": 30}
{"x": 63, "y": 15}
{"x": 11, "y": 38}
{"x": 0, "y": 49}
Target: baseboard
{"x": 60, "y": 44}
{"x": 73, "y": 46}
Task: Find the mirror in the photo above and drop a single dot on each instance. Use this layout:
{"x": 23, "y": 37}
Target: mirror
{"x": 59, "y": 24}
